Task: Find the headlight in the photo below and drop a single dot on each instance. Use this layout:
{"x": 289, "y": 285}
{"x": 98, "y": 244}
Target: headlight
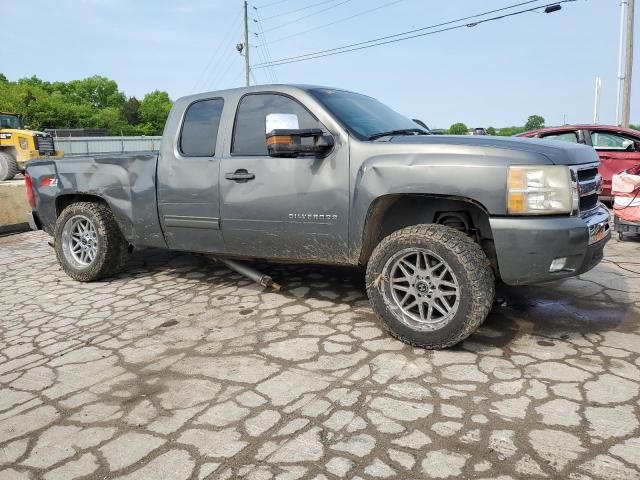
{"x": 5, "y": 136}
{"x": 539, "y": 190}
{"x": 24, "y": 144}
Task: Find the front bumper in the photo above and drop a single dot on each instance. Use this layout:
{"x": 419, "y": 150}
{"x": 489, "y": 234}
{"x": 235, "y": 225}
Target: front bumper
{"x": 526, "y": 246}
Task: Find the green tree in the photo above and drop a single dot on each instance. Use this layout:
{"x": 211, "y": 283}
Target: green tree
{"x": 131, "y": 111}
{"x": 154, "y": 109}
{"x": 93, "y": 102}
{"x": 110, "y": 118}
{"x": 534, "y": 122}
{"x": 491, "y": 131}
{"x": 458, "y": 129}
{"x": 97, "y": 91}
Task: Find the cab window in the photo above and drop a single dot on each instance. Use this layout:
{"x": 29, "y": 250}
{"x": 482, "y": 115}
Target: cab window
{"x": 250, "y": 128}
{"x": 571, "y": 137}
{"x": 612, "y": 141}
{"x": 200, "y": 128}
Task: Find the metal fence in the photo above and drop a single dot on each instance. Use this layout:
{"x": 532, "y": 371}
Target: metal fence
{"x": 74, "y": 146}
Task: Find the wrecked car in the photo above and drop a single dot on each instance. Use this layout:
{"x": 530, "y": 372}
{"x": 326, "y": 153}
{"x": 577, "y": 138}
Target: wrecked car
{"x": 320, "y": 175}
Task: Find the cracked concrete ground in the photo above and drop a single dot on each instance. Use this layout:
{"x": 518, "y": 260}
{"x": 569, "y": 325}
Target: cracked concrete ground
{"x": 179, "y": 369}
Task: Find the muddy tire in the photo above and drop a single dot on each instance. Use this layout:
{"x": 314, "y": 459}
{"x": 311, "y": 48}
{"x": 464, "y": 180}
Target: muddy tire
{"x": 88, "y": 242}
{"x": 431, "y": 285}
{"x": 8, "y": 166}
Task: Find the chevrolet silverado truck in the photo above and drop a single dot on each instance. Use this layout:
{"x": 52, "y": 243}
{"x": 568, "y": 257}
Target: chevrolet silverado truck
{"x": 320, "y": 175}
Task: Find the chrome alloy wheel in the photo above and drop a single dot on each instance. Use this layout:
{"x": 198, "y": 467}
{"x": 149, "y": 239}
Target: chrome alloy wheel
{"x": 80, "y": 241}
{"x": 423, "y": 289}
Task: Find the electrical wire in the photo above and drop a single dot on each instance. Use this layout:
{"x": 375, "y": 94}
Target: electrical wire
{"x": 224, "y": 69}
{"x": 272, "y": 4}
{"x": 265, "y": 46}
{"x": 291, "y": 12}
{"x": 215, "y": 59}
{"x": 306, "y": 16}
{"x": 364, "y": 12}
{"x": 380, "y": 41}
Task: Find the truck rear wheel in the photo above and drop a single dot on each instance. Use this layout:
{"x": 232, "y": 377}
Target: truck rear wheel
{"x": 431, "y": 285}
{"x": 8, "y": 166}
{"x": 88, "y": 242}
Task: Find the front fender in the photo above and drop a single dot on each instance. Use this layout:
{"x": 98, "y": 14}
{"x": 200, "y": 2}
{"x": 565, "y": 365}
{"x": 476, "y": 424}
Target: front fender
{"x": 468, "y": 177}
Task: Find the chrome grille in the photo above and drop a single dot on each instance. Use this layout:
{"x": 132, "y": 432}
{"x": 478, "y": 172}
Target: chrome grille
{"x": 44, "y": 144}
{"x": 589, "y": 183}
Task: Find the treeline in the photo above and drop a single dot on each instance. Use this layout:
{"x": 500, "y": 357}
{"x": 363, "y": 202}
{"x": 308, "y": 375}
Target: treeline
{"x": 533, "y": 123}
{"x": 94, "y": 102}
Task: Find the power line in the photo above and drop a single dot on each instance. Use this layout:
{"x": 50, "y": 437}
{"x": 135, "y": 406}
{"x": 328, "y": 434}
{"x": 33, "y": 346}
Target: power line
{"x": 215, "y": 59}
{"x": 265, "y": 46}
{"x": 272, "y": 4}
{"x": 364, "y": 12}
{"x": 291, "y": 12}
{"x": 226, "y": 63}
{"x": 363, "y": 45}
{"x": 282, "y": 25}
{"x": 430, "y": 27}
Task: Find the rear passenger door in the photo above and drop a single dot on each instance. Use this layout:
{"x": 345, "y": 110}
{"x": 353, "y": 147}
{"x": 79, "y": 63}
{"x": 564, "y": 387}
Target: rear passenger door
{"x": 187, "y": 179}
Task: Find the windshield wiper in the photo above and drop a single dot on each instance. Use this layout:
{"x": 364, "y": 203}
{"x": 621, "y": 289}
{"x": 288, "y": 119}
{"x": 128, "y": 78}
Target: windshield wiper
{"x": 403, "y": 131}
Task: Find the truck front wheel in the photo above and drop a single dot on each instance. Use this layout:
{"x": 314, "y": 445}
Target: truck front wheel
{"x": 88, "y": 242}
{"x": 8, "y": 166}
{"x": 431, "y": 285}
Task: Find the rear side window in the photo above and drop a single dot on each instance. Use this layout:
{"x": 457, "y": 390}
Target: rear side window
{"x": 571, "y": 137}
{"x": 200, "y": 128}
{"x": 250, "y": 129}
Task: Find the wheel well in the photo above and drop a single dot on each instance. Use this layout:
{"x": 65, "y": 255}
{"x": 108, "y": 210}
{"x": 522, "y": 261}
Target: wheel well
{"x": 393, "y": 212}
{"x": 11, "y": 151}
{"x": 63, "y": 201}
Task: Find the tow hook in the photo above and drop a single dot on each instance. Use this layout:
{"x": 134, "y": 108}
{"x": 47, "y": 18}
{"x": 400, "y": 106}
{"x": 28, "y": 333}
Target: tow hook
{"x": 250, "y": 273}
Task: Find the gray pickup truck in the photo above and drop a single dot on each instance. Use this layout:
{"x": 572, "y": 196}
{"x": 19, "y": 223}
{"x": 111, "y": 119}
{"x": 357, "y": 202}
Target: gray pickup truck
{"x": 319, "y": 175}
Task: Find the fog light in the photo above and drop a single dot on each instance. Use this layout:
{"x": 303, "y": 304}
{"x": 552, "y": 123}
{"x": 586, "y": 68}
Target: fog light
{"x": 558, "y": 264}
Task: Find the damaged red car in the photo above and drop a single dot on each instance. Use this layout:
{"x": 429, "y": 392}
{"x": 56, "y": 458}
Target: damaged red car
{"x": 617, "y": 147}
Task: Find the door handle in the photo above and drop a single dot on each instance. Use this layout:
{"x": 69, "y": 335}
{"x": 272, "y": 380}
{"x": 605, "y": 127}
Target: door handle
{"x": 240, "y": 175}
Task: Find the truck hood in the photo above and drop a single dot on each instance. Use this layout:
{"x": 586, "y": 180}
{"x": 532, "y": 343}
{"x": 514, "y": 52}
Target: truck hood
{"x": 559, "y": 153}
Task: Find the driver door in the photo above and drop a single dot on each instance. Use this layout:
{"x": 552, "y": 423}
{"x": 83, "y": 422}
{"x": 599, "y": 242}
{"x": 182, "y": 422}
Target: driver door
{"x": 287, "y": 208}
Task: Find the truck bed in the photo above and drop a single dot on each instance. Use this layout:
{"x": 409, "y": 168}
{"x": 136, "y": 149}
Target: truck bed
{"x": 125, "y": 181}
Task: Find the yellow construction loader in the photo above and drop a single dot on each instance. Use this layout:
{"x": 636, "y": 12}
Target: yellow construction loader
{"x": 19, "y": 145}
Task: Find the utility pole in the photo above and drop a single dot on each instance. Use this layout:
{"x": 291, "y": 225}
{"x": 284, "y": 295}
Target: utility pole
{"x": 247, "y": 70}
{"x": 596, "y": 108}
{"x": 623, "y": 8}
{"x": 626, "y": 89}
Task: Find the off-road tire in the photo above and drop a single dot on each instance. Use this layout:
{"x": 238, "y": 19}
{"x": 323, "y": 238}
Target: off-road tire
{"x": 8, "y": 166}
{"x": 112, "y": 246}
{"x": 468, "y": 262}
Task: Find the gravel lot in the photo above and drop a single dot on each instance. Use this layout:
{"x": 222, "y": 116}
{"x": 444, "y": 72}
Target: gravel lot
{"x": 179, "y": 368}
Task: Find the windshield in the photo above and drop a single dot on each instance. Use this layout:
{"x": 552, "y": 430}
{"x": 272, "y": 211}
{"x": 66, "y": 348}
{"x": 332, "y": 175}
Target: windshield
{"x": 363, "y": 116}
{"x": 9, "y": 121}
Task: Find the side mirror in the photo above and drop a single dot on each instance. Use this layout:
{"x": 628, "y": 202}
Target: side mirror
{"x": 289, "y": 142}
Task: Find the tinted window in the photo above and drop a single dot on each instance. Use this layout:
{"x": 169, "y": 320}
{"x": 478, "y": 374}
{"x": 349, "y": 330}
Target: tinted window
{"x": 563, "y": 137}
{"x": 611, "y": 141}
{"x": 363, "y": 116}
{"x": 250, "y": 129}
{"x": 200, "y": 128}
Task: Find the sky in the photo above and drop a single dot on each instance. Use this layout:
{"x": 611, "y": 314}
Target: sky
{"x": 495, "y": 74}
